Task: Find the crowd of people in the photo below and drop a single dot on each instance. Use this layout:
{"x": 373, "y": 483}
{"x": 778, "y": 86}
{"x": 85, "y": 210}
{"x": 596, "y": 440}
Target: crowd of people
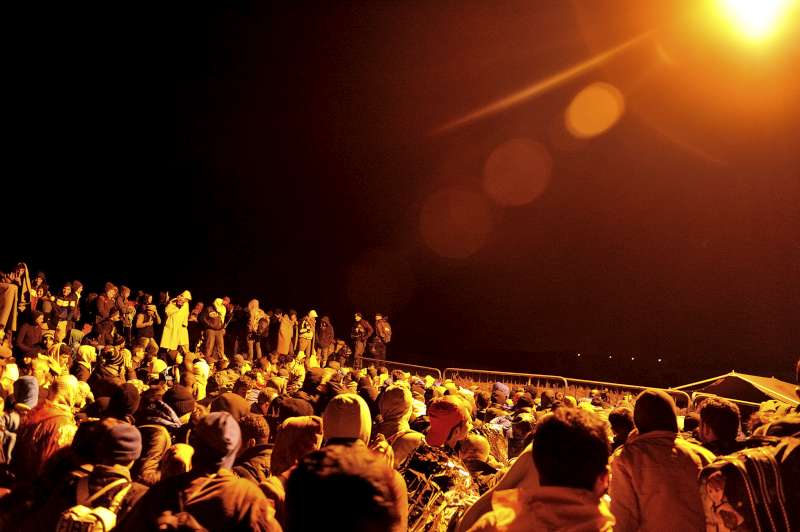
{"x": 171, "y": 416}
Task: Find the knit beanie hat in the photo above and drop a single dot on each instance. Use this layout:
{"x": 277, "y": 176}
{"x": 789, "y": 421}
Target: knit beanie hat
{"x": 121, "y": 443}
{"x": 26, "y": 391}
{"x": 229, "y": 402}
{"x": 216, "y": 440}
{"x": 347, "y": 417}
{"x": 180, "y": 399}
{"x": 124, "y": 401}
{"x": 655, "y": 410}
{"x": 292, "y": 407}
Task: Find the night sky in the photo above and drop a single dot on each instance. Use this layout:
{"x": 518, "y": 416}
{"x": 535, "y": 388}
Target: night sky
{"x": 287, "y": 151}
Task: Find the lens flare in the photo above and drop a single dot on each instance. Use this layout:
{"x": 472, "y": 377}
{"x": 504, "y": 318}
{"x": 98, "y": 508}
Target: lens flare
{"x": 757, "y": 19}
{"x": 594, "y": 110}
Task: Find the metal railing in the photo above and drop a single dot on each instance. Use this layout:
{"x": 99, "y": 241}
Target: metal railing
{"x": 479, "y": 376}
{"x": 582, "y": 388}
{"x": 414, "y": 369}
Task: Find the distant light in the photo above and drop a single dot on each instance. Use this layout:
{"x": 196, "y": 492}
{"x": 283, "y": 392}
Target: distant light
{"x": 659, "y": 360}
{"x": 594, "y": 110}
{"x": 609, "y": 356}
{"x": 633, "y": 358}
{"x": 757, "y": 19}
{"x": 579, "y": 354}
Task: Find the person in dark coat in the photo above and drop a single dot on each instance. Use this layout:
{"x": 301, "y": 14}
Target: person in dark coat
{"x": 254, "y": 462}
{"x": 210, "y": 493}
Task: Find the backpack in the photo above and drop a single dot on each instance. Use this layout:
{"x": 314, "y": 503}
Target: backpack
{"x": 754, "y": 489}
{"x": 84, "y": 518}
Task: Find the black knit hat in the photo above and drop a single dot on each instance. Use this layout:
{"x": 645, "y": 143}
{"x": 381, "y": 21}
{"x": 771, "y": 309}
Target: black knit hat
{"x": 180, "y": 399}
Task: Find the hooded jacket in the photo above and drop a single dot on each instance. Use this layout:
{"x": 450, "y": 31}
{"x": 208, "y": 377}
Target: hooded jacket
{"x": 546, "y": 508}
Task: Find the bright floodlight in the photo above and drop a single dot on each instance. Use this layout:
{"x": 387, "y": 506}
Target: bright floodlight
{"x": 757, "y": 19}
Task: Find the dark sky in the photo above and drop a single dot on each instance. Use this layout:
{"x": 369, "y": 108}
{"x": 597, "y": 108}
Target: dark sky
{"x": 284, "y": 151}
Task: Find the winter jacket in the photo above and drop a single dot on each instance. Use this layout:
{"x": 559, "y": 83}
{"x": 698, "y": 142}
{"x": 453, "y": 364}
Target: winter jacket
{"x": 155, "y": 442}
{"x": 220, "y": 502}
{"x": 66, "y": 307}
{"x": 29, "y": 339}
{"x": 175, "y": 332}
{"x": 48, "y": 428}
{"x": 361, "y": 331}
{"x": 254, "y": 463}
{"x": 211, "y": 319}
{"x": 546, "y": 508}
{"x": 325, "y": 335}
{"x": 654, "y": 483}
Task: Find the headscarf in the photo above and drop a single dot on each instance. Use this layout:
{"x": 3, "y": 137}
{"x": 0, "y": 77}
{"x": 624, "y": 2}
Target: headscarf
{"x": 87, "y": 355}
{"x": 64, "y": 391}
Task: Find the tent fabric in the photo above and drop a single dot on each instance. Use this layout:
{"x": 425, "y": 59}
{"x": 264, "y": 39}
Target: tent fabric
{"x": 746, "y": 387}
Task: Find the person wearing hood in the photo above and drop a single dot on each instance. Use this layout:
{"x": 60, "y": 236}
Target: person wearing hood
{"x": 325, "y": 340}
{"x": 346, "y": 420}
{"x": 210, "y": 493}
{"x": 48, "y": 428}
{"x": 308, "y": 326}
{"x": 176, "y": 333}
{"x": 213, "y": 320}
{"x": 395, "y": 405}
{"x": 236, "y": 405}
{"x": 654, "y": 474}
{"x": 255, "y": 328}
{"x": 570, "y": 452}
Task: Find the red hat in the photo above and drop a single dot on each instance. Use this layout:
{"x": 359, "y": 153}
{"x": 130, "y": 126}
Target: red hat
{"x": 445, "y": 414}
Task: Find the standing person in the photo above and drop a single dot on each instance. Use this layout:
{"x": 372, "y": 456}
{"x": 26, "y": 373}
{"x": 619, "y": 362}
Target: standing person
{"x": 106, "y": 315}
{"x": 145, "y": 322}
{"x": 255, "y": 316}
{"x": 383, "y": 335}
{"x": 194, "y": 326}
{"x": 213, "y": 320}
{"x": 66, "y": 305}
{"x": 284, "y": 344}
{"x": 360, "y": 333}
{"x": 127, "y": 311}
{"x": 295, "y": 330}
{"x": 325, "y": 340}
{"x": 176, "y": 333}
{"x": 306, "y": 333}
{"x": 654, "y": 475}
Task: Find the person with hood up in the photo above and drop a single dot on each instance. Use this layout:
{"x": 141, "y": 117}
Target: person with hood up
{"x": 308, "y": 327}
{"x": 346, "y": 420}
{"x": 325, "y": 340}
{"x": 210, "y": 494}
{"x": 571, "y": 456}
{"x": 255, "y": 317}
{"x": 176, "y": 332}
{"x": 395, "y": 409}
{"x": 285, "y": 333}
{"x": 48, "y": 428}
{"x": 213, "y": 320}
{"x": 654, "y": 474}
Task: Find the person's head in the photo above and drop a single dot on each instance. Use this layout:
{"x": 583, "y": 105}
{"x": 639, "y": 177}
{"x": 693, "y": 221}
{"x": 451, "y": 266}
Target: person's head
{"x": 255, "y": 430}
{"x": 312, "y": 314}
{"x": 621, "y": 421}
{"x": 450, "y": 422}
{"x": 66, "y": 289}
{"x": 64, "y": 391}
{"x": 26, "y": 391}
{"x": 719, "y": 420}
{"x": 395, "y": 403}
{"x": 295, "y": 437}
{"x": 216, "y": 439}
{"x": 655, "y": 410}
{"x": 37, "y": 317}
{"x": 378, "y": 317}
{"x": 347, "y": 417}
{"x": 357, "y": 316}
{"x": 474, "y": 447}
{"x": 354, "y": 478}
{"x": 180, "y": 399}
{"x": 120, "y": 443}
{"x": 571, "y": 449}
{"x": 48, "y": 339}
{"x": 124, "y": 291}
{"x": 110, "y": 290}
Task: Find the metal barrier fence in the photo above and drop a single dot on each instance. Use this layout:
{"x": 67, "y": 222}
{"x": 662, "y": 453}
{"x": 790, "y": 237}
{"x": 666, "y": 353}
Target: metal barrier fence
{"x": 478, "y": 376}
{"x": 414, "y": 369}
{"x": 581, "y": 388}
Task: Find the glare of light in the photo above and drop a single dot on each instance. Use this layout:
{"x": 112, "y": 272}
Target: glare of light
{"x": 633, "y": 358}
{"x": 517, "y": 172}
{"x": 757, "y": 19}
{"x": 594, "y": 110}
{"x": 659, "y": 360}
{"x": 579, "y": 354}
